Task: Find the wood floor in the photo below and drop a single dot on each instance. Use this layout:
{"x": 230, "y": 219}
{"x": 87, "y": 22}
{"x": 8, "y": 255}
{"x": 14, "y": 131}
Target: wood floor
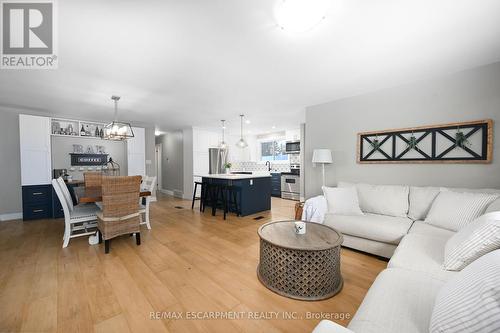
{"x": 189, "y": 264}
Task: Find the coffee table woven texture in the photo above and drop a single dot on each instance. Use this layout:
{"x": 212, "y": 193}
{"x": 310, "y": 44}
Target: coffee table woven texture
{"x": 305, "y": 267}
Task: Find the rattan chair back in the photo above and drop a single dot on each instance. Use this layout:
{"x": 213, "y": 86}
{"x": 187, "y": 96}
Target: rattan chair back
{"x": 92, "y": 179}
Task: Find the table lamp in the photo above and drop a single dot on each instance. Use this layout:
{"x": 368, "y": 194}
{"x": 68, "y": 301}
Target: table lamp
{"x": 323, "y": 156}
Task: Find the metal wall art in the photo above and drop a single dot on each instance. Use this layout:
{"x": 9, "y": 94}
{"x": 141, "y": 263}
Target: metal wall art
{"x": 467, "y": 142}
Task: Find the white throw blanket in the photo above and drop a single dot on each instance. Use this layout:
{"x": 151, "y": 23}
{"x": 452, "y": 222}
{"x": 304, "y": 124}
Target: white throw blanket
{"x": 314, "y": 209}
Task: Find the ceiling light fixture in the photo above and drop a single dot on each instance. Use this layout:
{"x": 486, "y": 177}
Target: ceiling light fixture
{"x": 223, "y": 144}
{"x": 300, "y": 15}
{"x": 116, "y": 130}
{"x": 241, "y": 142}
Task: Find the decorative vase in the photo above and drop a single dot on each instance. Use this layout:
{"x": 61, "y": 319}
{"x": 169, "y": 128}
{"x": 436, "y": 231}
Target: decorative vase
{"x": 300, "y": 227}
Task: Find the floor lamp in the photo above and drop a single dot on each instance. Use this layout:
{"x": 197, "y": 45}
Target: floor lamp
{"x": 322, "y": 156}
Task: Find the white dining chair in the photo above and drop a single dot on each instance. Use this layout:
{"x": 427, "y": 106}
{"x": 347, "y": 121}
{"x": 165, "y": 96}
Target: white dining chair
{"x": 148, "y": 184}
{"x": 79, "y": 220}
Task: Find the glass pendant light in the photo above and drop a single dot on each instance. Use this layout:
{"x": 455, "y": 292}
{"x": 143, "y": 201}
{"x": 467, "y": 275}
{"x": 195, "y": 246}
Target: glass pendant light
{"x": 241, "y": 142}
{"x": 116, "y": 130}
{"x": 223, "y": 144}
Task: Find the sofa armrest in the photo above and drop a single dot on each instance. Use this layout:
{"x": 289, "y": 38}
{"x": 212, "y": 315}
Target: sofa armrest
{"x": 327, "y": 326}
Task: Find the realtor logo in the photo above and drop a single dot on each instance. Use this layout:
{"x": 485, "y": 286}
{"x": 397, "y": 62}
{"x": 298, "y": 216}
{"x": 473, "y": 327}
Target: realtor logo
{"x": 28, "y": 35}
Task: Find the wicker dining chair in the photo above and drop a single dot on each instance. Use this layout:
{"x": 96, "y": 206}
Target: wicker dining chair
{"x": 92, "y": 179}
{"x": 120, "y": 211}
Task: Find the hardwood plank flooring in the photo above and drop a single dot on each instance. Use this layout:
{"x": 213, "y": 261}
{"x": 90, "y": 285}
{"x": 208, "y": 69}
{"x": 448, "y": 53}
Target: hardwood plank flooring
{"x": 189, "y": 262}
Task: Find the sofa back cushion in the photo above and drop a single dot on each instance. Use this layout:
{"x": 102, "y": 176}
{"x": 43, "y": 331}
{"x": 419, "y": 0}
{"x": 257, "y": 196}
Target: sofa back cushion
{"x": 421, "y": 199}
{"x": 472, "y": 241}
{"x": 453, "y": 210}
{"x": 389, "y": 200}
{"x": 469, "y": 301}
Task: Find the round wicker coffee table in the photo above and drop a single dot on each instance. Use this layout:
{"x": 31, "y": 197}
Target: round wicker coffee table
{"x": 305, "y": 267}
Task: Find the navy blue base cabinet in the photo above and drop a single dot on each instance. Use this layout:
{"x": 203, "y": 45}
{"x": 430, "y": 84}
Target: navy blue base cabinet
{"x": 276, "y": 184}
{"x": 37, "y": 202}
{"x": 253, "y": 195}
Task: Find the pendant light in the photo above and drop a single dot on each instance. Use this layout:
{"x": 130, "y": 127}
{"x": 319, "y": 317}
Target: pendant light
{"x": 116, "y": 130}
{"x": 223, "y": 144}
{"x": 241, "y": 142}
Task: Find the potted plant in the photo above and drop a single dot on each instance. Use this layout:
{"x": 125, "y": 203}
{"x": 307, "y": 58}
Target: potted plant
{"x": 227, "y": 167}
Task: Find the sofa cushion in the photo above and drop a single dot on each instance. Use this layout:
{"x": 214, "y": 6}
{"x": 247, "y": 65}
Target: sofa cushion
{"x": 398, "y": 301}
{"x": 453, "y": 210}
{"x": 473, "y": 241}
{"x": 422, "y": 253}
{"x": 421, "y": 199}
{"x": 342, "y": 200}
{"x": 494, "y": 206}
{"x": 420, "y": 227}
{"x": 389, "y": 200}
{"x": 382, "y": 228}
{"x": 470, "y": 301}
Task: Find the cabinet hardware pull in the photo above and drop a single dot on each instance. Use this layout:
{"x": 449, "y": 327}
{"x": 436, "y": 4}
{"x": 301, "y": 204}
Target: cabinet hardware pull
{"x": 37, "y": 210}
{"x": 37, "y": 193}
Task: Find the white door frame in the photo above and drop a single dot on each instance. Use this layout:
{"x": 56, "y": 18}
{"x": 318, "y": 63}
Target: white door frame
{"x": 158, "y": 161}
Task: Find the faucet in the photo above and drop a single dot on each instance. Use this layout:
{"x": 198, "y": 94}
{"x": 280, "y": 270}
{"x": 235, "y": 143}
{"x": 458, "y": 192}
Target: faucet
{"x": 268, "y": 163}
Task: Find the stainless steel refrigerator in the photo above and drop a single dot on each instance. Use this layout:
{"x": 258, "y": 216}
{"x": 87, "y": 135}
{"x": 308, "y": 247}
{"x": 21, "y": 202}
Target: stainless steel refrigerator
{"x": 216, "y": 158}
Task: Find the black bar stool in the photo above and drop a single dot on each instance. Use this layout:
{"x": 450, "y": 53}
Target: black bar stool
{"x": 198, "y": 198}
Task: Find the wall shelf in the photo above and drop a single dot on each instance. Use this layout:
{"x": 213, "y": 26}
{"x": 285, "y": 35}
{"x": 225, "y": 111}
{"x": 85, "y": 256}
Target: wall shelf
{"x": 73, "y": 128}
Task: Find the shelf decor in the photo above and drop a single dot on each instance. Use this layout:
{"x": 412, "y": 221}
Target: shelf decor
{"x": 465, "y": 142}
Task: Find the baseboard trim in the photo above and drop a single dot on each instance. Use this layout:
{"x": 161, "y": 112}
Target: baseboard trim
{"x": 167, "y": 192}
{"x": 11, "y": 216}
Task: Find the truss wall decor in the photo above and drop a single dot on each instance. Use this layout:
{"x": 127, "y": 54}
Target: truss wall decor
{"x": 467, "y": 142}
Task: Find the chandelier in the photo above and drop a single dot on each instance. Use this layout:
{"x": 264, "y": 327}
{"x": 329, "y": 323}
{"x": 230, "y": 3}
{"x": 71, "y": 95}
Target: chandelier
{"x": 116, "y": 130}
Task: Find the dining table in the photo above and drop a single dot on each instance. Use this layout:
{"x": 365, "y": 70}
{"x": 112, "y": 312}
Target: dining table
{"x": 94, "y": 194}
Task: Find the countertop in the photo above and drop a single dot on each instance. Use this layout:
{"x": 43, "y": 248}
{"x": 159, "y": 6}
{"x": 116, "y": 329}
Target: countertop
{"x": 236, "y": 176}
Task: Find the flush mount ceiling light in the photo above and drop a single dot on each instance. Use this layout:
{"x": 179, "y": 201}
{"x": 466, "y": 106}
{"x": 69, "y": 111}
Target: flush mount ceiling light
{"x": 241, "y": 142}
{"x": 300, "y": 15}
{"x": 117, "y": 131}
{"x": 223, "y": 144}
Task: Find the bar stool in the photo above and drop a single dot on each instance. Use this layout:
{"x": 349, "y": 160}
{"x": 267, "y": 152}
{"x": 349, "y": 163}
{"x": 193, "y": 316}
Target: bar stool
{"x": 221, "y": 195}
{"x": 230, "y": 199}
{"x": 197, "y": 198}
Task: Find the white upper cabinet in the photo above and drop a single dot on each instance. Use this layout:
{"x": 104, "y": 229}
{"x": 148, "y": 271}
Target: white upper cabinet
{"x": 136, "y": 153}
{"x": 34, "y": 139}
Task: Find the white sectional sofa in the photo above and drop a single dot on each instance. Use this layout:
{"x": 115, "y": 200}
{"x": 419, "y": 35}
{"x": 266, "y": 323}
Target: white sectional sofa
{"x": 403, "y": 296}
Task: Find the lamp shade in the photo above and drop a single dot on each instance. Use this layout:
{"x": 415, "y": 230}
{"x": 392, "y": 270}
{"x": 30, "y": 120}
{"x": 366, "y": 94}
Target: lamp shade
{"x": 322, "y": 156}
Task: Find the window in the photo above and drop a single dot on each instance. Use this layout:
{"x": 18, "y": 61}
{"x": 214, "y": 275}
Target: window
{"x": 273, "y": 151}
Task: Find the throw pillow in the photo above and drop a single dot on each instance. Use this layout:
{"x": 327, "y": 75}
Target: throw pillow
{"x": 469, "y": 301}
{"x": 477, "y": 238}
{"x": 421, "y": 199}
{"x": 342, "y": 201}
{"x": 389, "y": 200}
{"x": 453, "y": 210}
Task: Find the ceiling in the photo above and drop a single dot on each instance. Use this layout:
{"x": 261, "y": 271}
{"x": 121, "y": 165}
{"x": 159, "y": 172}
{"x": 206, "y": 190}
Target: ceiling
{"x": 193, "y": 62}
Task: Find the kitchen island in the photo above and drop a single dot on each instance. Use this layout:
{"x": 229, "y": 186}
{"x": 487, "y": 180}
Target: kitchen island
{"x": 253, "y": 192}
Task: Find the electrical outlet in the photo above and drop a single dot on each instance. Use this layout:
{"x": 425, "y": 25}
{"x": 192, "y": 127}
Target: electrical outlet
{"x": 251, "y": 181}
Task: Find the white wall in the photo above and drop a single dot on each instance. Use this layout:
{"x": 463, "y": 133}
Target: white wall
{"x": 464, "y": 96}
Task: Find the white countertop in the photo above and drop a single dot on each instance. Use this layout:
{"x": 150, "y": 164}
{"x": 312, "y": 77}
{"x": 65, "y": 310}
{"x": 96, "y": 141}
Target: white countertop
{"x": 236, "y": 176}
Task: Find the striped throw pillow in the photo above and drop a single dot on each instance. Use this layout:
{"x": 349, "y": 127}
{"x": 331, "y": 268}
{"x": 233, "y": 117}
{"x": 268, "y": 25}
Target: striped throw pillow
{"x": 469, "y": 301}
{"x": 473, "y": 241}
{"x": 453, "y": 210}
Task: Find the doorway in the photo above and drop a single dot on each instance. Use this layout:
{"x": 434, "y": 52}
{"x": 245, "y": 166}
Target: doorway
{"x": 158, "y": 159}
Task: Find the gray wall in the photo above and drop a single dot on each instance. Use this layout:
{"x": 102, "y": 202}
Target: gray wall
{"x": 188, "y": 162}
{"x": 150, "y": 152}
{"x": 10, "y": 168}
{"x": 62, "y": 146}
{"x": 469, "y": 95}
{"x": 172, "y": 161}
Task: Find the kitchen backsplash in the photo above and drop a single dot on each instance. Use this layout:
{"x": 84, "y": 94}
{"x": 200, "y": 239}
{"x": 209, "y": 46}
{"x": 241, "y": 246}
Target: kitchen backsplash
{"x": 254, "y": 166}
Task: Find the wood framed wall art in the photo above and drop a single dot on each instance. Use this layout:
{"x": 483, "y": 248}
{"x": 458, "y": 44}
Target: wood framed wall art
{"x": 465, "y": 142}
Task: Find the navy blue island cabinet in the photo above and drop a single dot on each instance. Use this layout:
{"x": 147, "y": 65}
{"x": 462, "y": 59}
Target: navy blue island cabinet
{"x": 253, "y": 193}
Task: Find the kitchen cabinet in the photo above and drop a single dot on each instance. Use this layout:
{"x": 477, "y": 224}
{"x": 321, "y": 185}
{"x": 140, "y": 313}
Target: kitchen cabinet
{"x": 36, "y": 166}
{"x": 136, "y": 153}
{"x": 276, "y": 184}
{"x": 34, "y": 139}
